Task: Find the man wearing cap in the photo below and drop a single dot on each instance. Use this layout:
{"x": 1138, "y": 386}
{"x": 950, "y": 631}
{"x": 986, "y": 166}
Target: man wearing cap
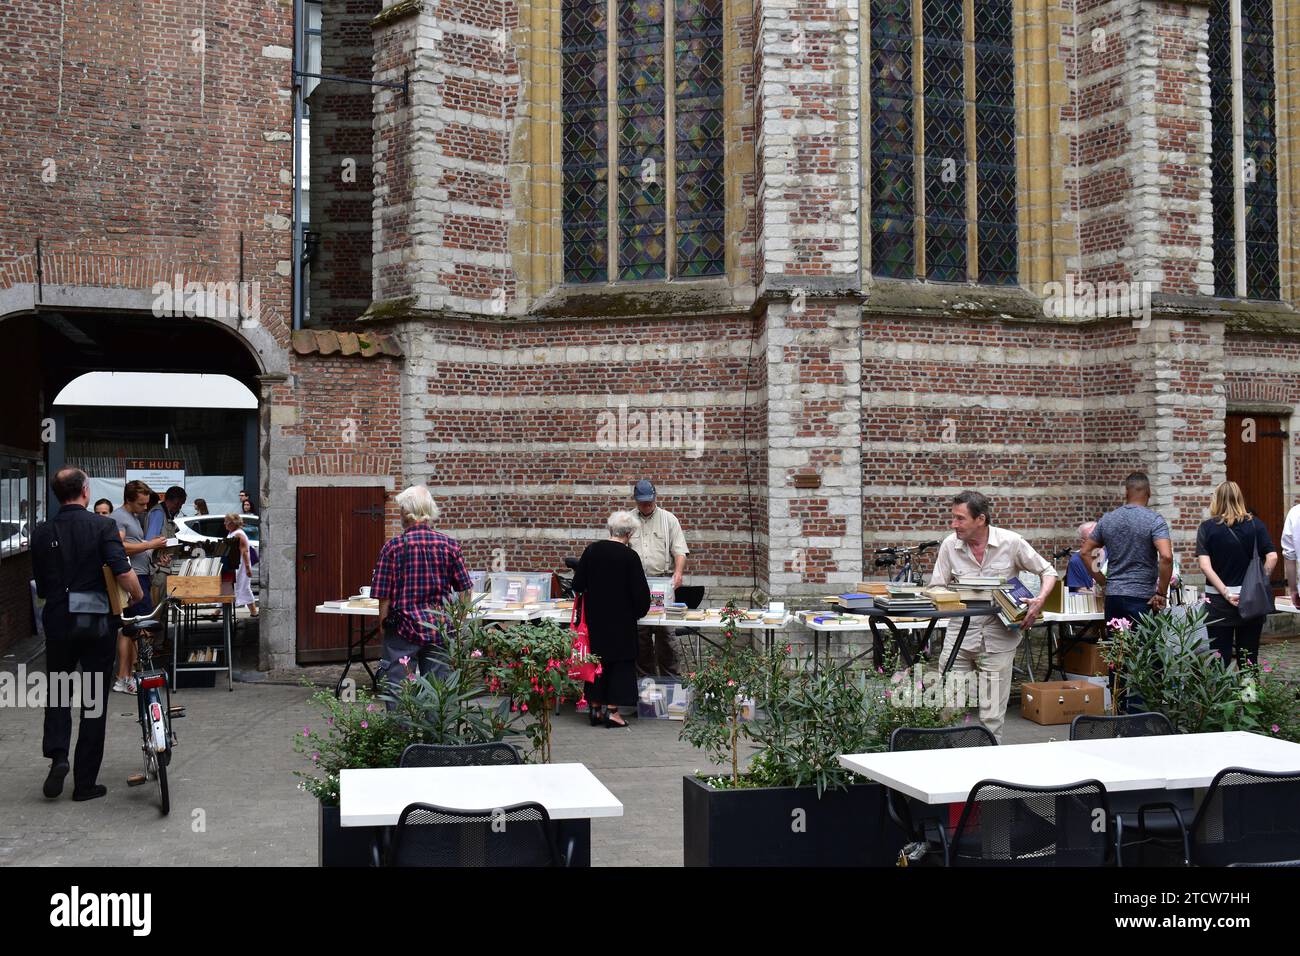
{"x": 659, "y": 542}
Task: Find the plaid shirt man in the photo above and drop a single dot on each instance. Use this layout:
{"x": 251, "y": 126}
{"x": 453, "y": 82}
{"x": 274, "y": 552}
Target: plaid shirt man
{"x": 415, "y": 573}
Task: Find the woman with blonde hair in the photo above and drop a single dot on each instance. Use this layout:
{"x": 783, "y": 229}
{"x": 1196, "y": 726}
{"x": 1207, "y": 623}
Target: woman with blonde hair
{"x": 1226, "y": 545}
{"x": 243, "y": 565}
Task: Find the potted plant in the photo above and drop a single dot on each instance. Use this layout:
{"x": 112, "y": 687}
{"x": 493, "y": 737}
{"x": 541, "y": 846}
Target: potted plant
{"x": 367, "y": 733}
{"x": 794, "y": 804}
{"x": 1165, "y": 662}
{"x": 531, "y": 666}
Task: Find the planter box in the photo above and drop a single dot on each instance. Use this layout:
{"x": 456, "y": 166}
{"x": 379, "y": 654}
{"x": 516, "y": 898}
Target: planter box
{"x": 758, "y": 827}
{"x": 342, "y": 846}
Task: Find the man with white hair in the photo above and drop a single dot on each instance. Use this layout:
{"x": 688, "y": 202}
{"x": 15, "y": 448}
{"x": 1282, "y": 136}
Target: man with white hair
{"x": 416, "y": 571}
{"x": 1077, "y": 577}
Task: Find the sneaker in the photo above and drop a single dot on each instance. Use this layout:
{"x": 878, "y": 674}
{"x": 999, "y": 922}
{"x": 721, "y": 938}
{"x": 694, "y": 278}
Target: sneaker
{"x": 125, "y": 685}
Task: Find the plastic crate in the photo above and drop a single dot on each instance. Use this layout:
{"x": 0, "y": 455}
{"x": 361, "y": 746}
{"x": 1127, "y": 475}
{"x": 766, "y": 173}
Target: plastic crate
{"x": 521, "y": 588}
{"x": 662, "y": 698}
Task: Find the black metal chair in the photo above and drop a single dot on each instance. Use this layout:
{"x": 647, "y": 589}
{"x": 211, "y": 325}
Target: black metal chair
{"x": 1162, "y": 821}
{"x": 1012, "y": 824}
{"x": 923, "y": 822}
{"x": 1247, "y": 816}
{"x": 518, "y": 835}
{"x": 1088, "y": 727}
{"x": 460, "y": 755}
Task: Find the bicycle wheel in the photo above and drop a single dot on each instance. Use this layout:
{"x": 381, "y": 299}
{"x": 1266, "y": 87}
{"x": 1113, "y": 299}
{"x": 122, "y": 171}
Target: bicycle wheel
{"x": 163, "y": 796}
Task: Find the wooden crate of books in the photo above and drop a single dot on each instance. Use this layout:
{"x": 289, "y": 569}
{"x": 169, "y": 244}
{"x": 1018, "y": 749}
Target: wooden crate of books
{"x": 193, "y": 586}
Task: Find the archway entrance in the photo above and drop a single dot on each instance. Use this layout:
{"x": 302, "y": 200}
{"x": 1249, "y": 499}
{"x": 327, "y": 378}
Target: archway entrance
{"x": 57, "y": 416}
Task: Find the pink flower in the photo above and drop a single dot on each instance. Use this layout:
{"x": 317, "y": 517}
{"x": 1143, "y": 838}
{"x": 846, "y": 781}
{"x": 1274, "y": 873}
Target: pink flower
{"x": 306, "y": 731}
{"x": 966, "y": 719}
{"x": 365, "y": 725}
{"x": 476, "y": 653}
{"x": 1274, "y": 728}
{"x": 404, "y": 660}
{"x": 411, "y": 677}
{"x": 888, "y": 694}
{"x": 524, "y": 708}
{"x": 789, "y": 648}
{"x": 1119, "y": 624}
{"x": 731, "y": 683}
{"x": 1266, "y": 669}
{"x": 315, "y": 757}
{"x": 370, "y": 708}
{"x": 329, "y": 721}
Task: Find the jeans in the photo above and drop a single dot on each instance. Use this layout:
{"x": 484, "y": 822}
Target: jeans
{"x": 428, "y": 658}
{"x": 1133, "y": 608}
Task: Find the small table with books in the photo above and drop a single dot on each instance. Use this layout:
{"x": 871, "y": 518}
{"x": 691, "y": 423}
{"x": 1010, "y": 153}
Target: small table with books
{"x": 189, "y": 653}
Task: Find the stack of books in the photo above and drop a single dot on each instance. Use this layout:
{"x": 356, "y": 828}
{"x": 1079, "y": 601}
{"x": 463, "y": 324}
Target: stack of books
{"x": 903, "y": 598}
{"x": 675, "y": 611}
{"x": 1013, "y": 600}
{"x": 945, "y": 599}
{"x": 1084, "y": 602}
{"x": 855, "y": 601}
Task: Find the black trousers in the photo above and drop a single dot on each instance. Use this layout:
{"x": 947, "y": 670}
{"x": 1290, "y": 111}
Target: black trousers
{"x": 1231, "y": 635}
{"x": 94, "y": 655}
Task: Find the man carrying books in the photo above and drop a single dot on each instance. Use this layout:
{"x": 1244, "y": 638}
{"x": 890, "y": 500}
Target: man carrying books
{"x": 977, "y": 549}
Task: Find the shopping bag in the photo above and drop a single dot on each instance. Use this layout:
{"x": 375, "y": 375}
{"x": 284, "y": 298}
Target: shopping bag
{"x": 581, "y": 646}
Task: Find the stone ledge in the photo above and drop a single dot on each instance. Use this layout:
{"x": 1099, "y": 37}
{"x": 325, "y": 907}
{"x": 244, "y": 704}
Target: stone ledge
{"x": 402, "y": 9}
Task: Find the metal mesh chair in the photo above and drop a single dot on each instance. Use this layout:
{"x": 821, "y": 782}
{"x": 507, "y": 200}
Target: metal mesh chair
{"x": 1010, "y": 824}
{"x": 923, "y": 822}
{"x": 1088, "y": 727}
{"x": 460, "y": 755}
{"x": 1247, "y": 816}
{"x": 518, "y": 835}
{"x": 1162, "y": 821}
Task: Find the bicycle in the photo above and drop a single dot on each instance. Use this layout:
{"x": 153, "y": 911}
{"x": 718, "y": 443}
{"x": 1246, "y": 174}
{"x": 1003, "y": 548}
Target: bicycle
{"x": 906, "y": 574}
{"x": 154, "y": 708}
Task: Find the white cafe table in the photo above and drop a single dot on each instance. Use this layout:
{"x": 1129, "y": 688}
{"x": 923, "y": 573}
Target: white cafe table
{"x": 1173, "y": 762}
{"x": 571, "y": 794}
{"x": 946, "y": 776}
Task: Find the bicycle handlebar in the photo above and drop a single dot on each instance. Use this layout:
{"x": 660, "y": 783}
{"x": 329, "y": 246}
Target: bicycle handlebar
{"x": 130, "y": 619}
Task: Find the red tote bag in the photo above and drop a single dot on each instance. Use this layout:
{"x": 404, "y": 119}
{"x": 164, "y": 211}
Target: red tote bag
{"x": 581, "y": 646}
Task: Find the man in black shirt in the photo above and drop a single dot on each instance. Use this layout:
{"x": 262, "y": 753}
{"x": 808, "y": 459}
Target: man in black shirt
{"x": 68, "y": 555}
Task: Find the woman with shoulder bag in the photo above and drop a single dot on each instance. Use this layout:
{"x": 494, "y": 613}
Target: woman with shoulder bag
{"x": 1237, "y": 557}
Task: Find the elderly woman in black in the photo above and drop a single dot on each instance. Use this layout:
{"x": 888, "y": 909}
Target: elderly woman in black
{"x": 615, "y": 596}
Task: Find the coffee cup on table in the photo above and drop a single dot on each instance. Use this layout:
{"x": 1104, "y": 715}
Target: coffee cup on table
{"x": 365, "y": 592}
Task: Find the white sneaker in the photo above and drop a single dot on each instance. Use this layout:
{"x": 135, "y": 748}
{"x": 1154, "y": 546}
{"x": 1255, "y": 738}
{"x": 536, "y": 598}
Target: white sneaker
{"x": 125, "y": 685}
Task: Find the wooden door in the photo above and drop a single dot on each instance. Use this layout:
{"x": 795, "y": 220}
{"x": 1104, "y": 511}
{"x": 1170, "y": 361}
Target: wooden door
{"x": 1255, "y": 446}
{"x": 340, "y": 532}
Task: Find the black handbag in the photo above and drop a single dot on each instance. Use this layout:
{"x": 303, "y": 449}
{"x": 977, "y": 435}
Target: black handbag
{"x": 1256, "y": 598}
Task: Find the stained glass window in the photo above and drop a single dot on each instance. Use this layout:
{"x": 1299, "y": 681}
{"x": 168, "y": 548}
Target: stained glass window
{"x": 1260, "y": 144}
{"x": 945, "y": 141}
{"x": 646, "y": 164}
{"x": 893, "y": 204}
{"x": 1244, "y": 184}
{"x": 701, "y": 185}
{"x": 995, "y": 142}
{"x": 642, "y": 161}
{"x": 1222, "y": 165}
{"x": 585, "y": 218}
{"x": 937, "y": 139}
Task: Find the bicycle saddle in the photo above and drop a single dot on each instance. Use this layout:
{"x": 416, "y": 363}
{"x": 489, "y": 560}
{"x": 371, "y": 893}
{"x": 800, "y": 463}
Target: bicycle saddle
{"x": 134, "y": 628}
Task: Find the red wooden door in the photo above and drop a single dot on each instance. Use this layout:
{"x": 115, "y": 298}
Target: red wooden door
{"x": 1255, "y": 446}
{"x": 340, "y": 532}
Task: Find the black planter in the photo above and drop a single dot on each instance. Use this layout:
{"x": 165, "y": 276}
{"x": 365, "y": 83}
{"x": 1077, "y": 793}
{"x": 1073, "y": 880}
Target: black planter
{"x": 761, "y": 827}
{"x": 343, "y": 846}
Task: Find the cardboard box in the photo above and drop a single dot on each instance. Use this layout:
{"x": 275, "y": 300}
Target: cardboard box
{"x": 1084, "y": 658}
{"x": 1060, "y": 701}
{"x": 1102, "y": 682}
